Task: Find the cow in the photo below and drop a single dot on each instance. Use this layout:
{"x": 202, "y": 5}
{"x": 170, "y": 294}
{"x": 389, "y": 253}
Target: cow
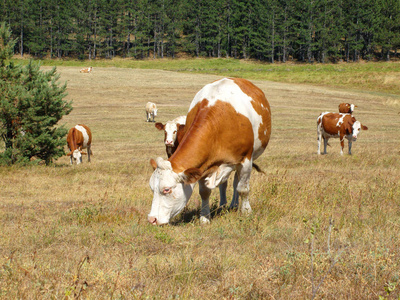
{"x": 346, "y": 108}
{"x": 151, "y": 111}
{"x": 173, "y": 133}
{"x": 86, "y": 70}
{"x": 228, "y": 126}
{"x": 79, "y": 138}
{"x": 338, "y": 125}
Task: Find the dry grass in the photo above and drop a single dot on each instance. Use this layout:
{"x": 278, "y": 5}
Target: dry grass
{"x": 81, "y": 231}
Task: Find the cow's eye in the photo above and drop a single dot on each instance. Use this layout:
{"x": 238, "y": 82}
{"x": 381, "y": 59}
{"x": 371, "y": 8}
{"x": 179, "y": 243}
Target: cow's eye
{"x": 167, "y": 191}
{"x": 174, "y": 131}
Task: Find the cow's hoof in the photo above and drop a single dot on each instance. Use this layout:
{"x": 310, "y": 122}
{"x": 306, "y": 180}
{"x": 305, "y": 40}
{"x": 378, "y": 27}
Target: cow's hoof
{"x": 204, "y": 220}
{"x": 246, "y": 208}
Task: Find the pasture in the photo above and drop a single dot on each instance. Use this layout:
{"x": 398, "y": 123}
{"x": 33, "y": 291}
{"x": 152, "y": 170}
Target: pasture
{"x": 324, "y": 227}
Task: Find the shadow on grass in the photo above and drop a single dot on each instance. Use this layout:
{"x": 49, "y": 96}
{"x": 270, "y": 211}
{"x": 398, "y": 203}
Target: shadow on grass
{"x": 193, "y": 215}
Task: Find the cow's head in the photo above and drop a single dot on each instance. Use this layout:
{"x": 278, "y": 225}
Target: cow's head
{"x": 171, "y": 131}
{"x": 76, "y": 155}
{"x": 356, "y": 129}
{"x": 171, "y": 191}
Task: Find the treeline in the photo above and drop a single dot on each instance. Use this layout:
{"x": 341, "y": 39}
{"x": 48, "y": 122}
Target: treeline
{"x": 267, "y": 30}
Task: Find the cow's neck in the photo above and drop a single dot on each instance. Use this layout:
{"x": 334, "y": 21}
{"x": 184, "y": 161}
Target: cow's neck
{"x": 195, "y": 151}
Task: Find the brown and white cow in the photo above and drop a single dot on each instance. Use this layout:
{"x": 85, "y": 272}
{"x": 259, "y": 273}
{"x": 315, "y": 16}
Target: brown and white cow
{"x": 86, "y": 70}
{"x": 346, "y": 108}
{"x": 338, "y": 125}
{"x": 228, "y": 126}
{"x": 79, "y": 138}
{"x": 151, "y": 111}
{"x": 173, "y": 133}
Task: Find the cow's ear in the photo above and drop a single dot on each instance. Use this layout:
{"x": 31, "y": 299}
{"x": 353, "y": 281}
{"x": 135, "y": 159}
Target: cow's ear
{"x": 364, "y": 127}
{"x": 181, "y": 127}
{"x": 191, "y": 175}
{"x": 159, "y": 126}
{"x": 153, "y": 164}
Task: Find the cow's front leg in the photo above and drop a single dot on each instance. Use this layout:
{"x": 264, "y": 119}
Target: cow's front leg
{"x": 341, "y": 144}
{"x": 350, "y": 144}
{"x": 243, "y": 186}
{"x": 88, "y": 153}
{"x": 205, "y": 205}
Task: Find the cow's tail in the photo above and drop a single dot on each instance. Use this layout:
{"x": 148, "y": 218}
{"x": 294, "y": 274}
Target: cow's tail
{"x": 258, "y": 169}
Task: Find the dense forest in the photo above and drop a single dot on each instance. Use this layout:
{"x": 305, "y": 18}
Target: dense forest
{"x": 267, "y": 30}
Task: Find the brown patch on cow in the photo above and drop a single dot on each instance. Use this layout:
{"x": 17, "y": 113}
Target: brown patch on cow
{"x": 213, "y": 136}
{"x": 260, "y": 105}
{"x": 331, "y": 126}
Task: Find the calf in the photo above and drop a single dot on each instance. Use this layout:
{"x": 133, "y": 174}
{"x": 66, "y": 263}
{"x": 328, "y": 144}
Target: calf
{"x": 338, "y": 125}
{"x": 86, "y": 70}
{"x": 173, "y": 133}
{"x": 346, "y": 108}
{"x": 79, "y": 138}
{"x": 151, "y": 111}
{"x": 228, "y": 126}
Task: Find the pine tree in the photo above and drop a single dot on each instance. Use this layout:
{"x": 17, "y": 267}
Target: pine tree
{"x": 31, "y": 104}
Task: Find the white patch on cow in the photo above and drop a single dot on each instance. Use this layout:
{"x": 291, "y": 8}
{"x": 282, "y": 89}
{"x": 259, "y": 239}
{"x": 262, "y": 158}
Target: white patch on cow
{"x": 341, "y": 120}
{"x": 352, "y": 108}
{"x": 226, "y": 90}
{"x": 85, "y": 135}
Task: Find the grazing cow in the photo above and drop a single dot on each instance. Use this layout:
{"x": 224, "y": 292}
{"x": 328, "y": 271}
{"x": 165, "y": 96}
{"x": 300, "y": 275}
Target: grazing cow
{"x": 346, "y": 108}
{"x": 173, "y": 133}
{"x": 86, "y": 70}
{"x": 79, "y": 138}
{"x": 151, "y": 111}
{"x": 228, "y": 126}
{"x": 337, "y": 125}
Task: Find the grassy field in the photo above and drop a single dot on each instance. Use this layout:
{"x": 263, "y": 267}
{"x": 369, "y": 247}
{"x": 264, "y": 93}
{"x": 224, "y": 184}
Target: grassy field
{"x": 379, "y": 77}
{"x": 324, "y": 227}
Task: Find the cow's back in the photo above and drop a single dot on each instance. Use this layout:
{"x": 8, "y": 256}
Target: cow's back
{"x": 86, "y": 135}
{"x": 229, "y": 119}
{"x": 150, "y": 106}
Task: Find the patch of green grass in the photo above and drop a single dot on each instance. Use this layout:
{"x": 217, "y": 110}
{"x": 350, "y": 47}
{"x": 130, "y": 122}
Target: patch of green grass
{"x": 378, "y": 77}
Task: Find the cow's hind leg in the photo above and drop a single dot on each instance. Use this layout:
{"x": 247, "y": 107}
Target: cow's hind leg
{"x": 319, "y": 134}
{"x": 205, "y": 205}
{"x": 243, "y": 185}
{"x": 325, "y": 144}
